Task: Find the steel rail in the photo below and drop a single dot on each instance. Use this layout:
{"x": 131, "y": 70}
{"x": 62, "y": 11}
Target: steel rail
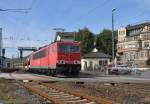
{"x": 90, "y": 98}
{"x": 41, "y": 93}
{"x": 56, "y": 97}
{"x": 37, "y": 91}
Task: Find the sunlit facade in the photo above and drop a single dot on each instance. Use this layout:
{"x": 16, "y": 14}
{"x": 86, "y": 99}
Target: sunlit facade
{"x": 134, "y": 44}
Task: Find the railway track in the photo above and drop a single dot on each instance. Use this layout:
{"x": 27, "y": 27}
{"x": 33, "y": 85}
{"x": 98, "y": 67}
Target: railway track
{"x": 60, "y": 96}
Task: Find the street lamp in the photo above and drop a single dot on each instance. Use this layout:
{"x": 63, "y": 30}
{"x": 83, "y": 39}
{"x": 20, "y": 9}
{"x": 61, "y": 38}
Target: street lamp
{"x": 113, "y": 55}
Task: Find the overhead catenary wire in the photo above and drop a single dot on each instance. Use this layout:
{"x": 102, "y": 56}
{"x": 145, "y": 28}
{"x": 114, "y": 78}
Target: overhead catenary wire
{"x": 96, "y": 7}
{"x": 141, "y": 14}
{"x": 20, "y": 10}
{"x": 15, "y": 10}
{"x": 137, "y": 16}
{"x": 11, "y": 38}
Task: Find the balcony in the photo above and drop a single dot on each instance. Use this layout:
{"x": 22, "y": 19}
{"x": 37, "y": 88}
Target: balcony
{"x": 129, "y": 46}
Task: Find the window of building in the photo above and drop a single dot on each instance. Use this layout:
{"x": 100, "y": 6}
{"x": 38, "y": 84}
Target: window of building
{"x": 136, "y": 55}
{"x": 123, "y": 32}
{"x": 142, "y": 54}
{"x": 145, "y": 54}
{"x": 145, "y": 36}
{"x": 146, "y": 44}
{"x": 105, "y": 62}
{"x": 91, "y": 64}
{"x": 100, "y": 62}
{"x": 148, "y": 35}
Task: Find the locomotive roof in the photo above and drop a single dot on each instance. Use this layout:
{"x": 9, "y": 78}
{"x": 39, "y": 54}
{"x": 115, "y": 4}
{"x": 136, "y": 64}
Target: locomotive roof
{"x": 56, "y": 42}
{"x": 65, "y": 36}
{"x": 64, "y": 42}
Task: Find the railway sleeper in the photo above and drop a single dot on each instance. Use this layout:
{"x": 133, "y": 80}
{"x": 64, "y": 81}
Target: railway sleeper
{"x": 70, "y": 99}
{"x": 53, "y": 91}
{"x": 69, "y": 96}
{"x": 49, "y": 90}
{"x": 77, "y": 101}
{"x": 90, "y": 103}
{"x": 56, "y": 95}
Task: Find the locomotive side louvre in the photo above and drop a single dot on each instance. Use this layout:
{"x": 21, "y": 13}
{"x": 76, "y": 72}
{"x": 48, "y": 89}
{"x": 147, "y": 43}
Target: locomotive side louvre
{"x": 39, "y": 60}
{"x": 52, "y": 57}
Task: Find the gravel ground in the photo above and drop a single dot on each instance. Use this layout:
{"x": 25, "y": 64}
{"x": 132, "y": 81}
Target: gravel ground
{"x": 119, "y": 93}
{"x": 12, "y": 93}
{"x": 7, "y": 93}
{"x": 32, "y": 99}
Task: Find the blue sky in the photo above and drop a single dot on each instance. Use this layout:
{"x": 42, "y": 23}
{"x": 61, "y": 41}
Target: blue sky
{"x": 35, "y": 28}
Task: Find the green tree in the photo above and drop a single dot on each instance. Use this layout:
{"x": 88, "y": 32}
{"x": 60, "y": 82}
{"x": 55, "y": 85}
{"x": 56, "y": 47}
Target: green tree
{"x": 104, "y": 41}
{"x": 86, "y": 39}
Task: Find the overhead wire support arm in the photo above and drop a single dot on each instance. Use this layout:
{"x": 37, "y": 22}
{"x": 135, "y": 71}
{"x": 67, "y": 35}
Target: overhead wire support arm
{"x": 16, "y": 10}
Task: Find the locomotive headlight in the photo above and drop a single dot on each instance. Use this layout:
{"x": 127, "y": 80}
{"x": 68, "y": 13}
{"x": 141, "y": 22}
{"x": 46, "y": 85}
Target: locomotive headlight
{"x": 77, "y": 62}
{"x": 61, "y": 61}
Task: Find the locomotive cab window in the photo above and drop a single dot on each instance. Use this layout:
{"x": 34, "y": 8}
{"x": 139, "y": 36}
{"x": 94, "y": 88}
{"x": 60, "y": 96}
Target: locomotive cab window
{"x": 74, "y": 49}
{"x": 63, "y": 48}
{"x": 69, "y": 48}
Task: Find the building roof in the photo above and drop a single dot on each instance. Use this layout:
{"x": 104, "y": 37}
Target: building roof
{"x": 96, "y": 55}
{"x": 136, "y": 26}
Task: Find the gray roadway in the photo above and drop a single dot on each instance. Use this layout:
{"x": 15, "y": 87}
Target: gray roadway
{"x": 144, "y": 77}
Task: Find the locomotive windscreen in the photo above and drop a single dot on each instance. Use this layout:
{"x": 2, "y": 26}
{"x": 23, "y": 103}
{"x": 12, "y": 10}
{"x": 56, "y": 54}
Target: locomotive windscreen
{"x": 69, "y": 48}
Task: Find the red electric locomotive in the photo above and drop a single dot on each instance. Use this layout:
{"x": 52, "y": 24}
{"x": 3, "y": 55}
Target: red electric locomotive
{"x": 56, "y": 58}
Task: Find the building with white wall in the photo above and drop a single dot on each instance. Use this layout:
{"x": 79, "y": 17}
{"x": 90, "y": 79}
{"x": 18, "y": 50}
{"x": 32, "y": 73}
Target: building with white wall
{"x": 94, "y": 61}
